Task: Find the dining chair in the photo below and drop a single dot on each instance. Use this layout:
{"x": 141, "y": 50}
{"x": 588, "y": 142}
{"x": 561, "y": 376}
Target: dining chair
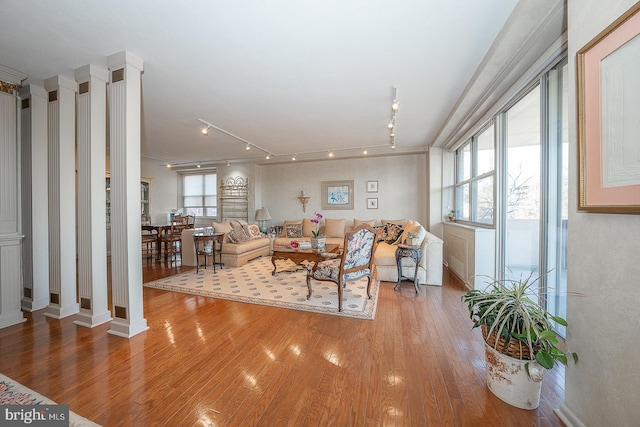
{"x": 354, "y": 263}
{"x": 172, "y": 236}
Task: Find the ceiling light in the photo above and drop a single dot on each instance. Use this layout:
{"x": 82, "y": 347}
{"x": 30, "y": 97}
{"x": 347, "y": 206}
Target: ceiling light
{"x": 364, "y": 151}
{"x": 198, "y": 165}
{"x": 395, "y": 104}
{"x": 268, "y": 156}
{"x": 393, "y": 145}
{"x": 330, "y": 153}
{"x": 294, "y": 157}
{"x": 391, "y": 124}
{"x": 228, "y": 164}
{"x": 392, "y": 135}
{"x": 248, "y": 147}
{"x": 168, "y": 165}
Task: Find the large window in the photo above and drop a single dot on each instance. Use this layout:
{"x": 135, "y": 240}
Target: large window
{"x": 512, "y": 175}
{"x": 475, "y": 164}
{"x": 200, "y": 194}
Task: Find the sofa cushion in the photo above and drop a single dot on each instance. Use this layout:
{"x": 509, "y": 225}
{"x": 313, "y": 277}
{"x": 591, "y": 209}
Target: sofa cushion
{"x": 393, "y": 221}
{"x": 252, "y": 230}
{"x": 334, "y": 227}
{"x": 307, "y": 227}
{"x": 415, "y": 228}
{"x": 370, "y": 222}
{"x": 244, "y": 247}
{"x": 222, "y": 227}
{"x": 391, "y": 233}
{"x": 237, "y": 235}
{"x": 293, "y": 230}
{"x": 284, "y": 226}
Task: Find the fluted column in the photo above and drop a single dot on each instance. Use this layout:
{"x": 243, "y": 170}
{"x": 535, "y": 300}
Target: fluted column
{"x": 92, "y": 224}
{"x": 126, "y": 242}
{"x": 62, "y": 201}
{"x": 35, "y": 220}
{"x": 10, "y": 224}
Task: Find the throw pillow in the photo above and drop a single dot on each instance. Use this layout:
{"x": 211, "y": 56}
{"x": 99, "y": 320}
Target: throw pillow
{"x": 237, "y": 235}
{"x": 357, "y": 222}
{"x": 222, "y": 227}
{"x": 334, "y": 227}
{"x": 293, "y": 230}
{"x": 251, "y": 230}
{"x": 394, "y": 221}
{"x": 284, "y": 226}
{"x": 414, "y": 228}
{"x": 307, "y": 227}
{"x": 392, "y": 233}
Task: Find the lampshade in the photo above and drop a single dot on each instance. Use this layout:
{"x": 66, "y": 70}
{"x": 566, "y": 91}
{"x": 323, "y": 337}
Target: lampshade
{"x": 263, "y": 215}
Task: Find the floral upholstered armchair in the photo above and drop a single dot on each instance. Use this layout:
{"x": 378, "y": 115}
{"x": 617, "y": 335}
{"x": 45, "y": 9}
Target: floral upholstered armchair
{"x": 354, "y": 263}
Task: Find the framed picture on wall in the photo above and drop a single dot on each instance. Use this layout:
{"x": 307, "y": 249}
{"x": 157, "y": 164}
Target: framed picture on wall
{"x": 372, "y": 203}
{"x": 372, "y": 186}
{"x": 337, "y": 194}
{"x": 608, "y": 111}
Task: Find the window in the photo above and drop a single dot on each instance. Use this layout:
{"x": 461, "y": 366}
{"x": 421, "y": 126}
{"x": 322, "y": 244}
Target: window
{"x": 475, "y": 164}
{"x": 513, "y": 175}
{"x": 200, "y": 194}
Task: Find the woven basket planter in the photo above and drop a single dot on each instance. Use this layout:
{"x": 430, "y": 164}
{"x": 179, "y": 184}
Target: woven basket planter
{"x": 516, "y": 348}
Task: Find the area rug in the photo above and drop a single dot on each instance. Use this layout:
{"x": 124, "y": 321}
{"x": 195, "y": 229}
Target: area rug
{"x": 253, "y": 283}
{"x": 14, "y": 393}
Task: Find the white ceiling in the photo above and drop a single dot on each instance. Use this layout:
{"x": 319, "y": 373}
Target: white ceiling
{"x": 290, "y": 76}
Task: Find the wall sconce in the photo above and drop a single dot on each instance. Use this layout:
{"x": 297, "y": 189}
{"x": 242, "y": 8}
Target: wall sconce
{"x": 303, "y": 199}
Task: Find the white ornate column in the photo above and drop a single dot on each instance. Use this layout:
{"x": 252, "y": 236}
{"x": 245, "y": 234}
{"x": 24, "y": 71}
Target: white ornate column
{"x": 126, "y": 242}
{"x": 35, "y": 218}
{"x": 10, "y": 236}
{"x": 61, "y": 113}
{"x": 92, "y": 224}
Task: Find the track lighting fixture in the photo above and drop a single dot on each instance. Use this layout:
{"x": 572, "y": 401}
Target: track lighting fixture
{"x": 364, "y": 151}
{"x": 392, "y": 122}
{"x": 199, "y": 166}
{"x": 248, "y": 147}
{"x": 169, "y": 165}
{"x": 205, "y": 130}
{"x": 330, "y": 153}
{"x": 268, "y": 156}
{"x": 294, "y": 157}
{"x": 227, "y": 162}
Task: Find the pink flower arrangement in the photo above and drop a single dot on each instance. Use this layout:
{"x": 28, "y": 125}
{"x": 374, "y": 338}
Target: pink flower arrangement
{"x": 316, "y": 221}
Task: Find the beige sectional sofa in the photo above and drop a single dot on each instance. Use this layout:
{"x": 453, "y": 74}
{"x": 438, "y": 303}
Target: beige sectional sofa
{"x": 334, "y": 230}
{"x": 233, "y": 254}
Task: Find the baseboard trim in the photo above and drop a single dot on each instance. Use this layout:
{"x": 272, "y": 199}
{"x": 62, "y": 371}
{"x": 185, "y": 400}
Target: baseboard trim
{"x": 568, "y": 417}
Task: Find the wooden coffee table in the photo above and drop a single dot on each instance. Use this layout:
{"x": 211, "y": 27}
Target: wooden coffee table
{"x": 300, "y": 255}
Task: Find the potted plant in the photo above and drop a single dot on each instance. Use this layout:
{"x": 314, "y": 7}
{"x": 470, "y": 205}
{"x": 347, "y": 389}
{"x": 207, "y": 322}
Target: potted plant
{"x": 519, "y": 338}
{"x": 451, "y": 215}
{"x": 317, "y": 241}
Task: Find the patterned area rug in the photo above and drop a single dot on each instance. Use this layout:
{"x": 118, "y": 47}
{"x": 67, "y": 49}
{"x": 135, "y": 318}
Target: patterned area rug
{"x": 253, "y": 283}
{"x": 14, "y": 393}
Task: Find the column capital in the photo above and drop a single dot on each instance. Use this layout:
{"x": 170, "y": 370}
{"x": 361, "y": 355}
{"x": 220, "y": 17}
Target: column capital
{"x": 86, "y": 72}
{"x": 32, "y": 90}
{"x": 10, "y": 79}
{"x": 121, "y": 59}
{"x": 59, "y": 81}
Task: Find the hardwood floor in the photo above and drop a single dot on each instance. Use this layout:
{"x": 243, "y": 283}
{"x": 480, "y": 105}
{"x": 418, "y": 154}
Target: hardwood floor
{"x": 209, "y": 362}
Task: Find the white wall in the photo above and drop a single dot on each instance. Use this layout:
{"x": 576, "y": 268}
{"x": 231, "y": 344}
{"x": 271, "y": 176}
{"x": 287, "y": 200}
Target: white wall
{"x": 163, "y": 191}
{"x": 604, "y": 326}
{"x": 402, "y": 187}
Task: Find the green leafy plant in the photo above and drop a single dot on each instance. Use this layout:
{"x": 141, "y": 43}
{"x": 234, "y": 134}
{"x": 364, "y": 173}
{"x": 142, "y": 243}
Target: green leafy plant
{"x": 508, "y": 308}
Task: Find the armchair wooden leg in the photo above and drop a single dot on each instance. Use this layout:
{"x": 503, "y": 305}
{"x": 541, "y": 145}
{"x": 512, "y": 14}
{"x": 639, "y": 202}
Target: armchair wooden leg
{"x": 340, "y": 287}
{"x": 308, "y": 285}
{"x": 369, "y": 287}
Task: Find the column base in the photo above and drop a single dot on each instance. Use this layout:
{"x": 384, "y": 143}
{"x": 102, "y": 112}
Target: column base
{"x": 127, "y": 330}
{"x": 12, "y": 320}
{"x": 89, "y": 320}
{"x": 30, "y": 305}
{"x": 57, "y": 312}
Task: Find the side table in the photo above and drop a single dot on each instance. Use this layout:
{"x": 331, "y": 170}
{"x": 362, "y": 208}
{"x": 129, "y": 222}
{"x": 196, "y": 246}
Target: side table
{"x": 204, "y": 250}
{"x": 413, "y": 252}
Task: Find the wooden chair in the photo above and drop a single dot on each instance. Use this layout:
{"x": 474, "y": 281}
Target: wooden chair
{"x": 172, "y": 236}
{"x": 150, "y": 241}
{"x": 354, "y": 263}
{"x": 191, "y": 221}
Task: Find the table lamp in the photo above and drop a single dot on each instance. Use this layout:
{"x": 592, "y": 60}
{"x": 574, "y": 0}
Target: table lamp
{"x": 262, "y": 216}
